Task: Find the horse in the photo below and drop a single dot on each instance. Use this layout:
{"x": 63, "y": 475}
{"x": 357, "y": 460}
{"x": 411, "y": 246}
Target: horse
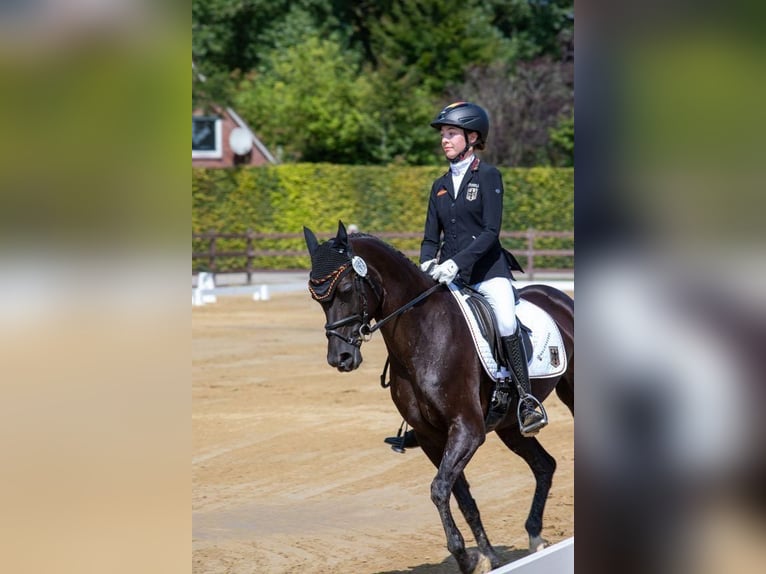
{"x": 436, "y": 379}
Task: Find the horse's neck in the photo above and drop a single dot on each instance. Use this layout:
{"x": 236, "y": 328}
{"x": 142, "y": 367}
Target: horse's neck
{"x": 400, "y": 285}
{"x": 400, "y": 280}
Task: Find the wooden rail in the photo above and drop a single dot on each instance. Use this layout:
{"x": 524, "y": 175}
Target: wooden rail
{"x": 249, "y": 254}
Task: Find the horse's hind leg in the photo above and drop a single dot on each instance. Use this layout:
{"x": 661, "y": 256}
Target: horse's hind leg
{"x": 467, "y": 505}
{"x": 565, "y": 391}
{"x": 543, "y": 466}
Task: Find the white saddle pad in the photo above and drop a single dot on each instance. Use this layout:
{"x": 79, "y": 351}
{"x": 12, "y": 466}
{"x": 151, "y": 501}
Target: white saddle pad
{"x": 549, "y": 357}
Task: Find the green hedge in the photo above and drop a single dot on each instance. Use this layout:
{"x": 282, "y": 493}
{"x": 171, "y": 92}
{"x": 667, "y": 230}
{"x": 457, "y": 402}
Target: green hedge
{"x": 284, "y": 198}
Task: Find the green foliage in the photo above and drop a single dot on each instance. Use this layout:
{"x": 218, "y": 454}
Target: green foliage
{"x": 524, "y": 103}
{"x": 432, "y": 40}
{"x": 401, "y": 109}
{"x": 234, "y": 34}
{"x": 358, "y": 81}
{"x": 284, "y": 198}
{"x": 561, "y": 143}
{"x": 307, "y": 103}
{"x": 534, "y": 27}
{"x": 540, "y": 198}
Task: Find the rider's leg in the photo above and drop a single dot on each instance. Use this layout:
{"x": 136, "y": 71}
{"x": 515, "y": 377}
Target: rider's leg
{"x": 400, "y": 442}
{"x": 499, "y": 292}
{"x": 531, "y": 419}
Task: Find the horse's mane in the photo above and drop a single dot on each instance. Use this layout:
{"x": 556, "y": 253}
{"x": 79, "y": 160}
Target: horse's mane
{"x": 386, "y": 246}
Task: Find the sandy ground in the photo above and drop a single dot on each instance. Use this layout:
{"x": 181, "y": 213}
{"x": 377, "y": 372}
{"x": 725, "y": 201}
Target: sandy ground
{"x": 289, "y": 470}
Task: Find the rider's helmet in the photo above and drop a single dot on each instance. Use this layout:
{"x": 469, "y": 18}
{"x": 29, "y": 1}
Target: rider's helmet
{"x": 470, "y": 117}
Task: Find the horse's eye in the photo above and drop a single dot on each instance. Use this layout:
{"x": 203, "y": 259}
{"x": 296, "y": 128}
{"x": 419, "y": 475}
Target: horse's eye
{"x": 345, "y": 288}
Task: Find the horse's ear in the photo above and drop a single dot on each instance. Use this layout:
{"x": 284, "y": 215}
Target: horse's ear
{"x": 311, "y": 240}
{"x": 342, "y": 236}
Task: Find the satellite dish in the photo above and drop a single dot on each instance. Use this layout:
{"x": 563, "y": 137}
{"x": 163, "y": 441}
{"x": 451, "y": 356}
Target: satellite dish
{"x": 240, "y": 141}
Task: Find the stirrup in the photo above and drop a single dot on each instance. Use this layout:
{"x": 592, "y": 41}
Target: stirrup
{"x": 396, "y": 442}
{"x": 399, "y": 442}
{"x": 534, "y": 428}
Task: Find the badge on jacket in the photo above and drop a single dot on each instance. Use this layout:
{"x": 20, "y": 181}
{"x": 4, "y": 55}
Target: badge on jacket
{"x": 472, "y": 192}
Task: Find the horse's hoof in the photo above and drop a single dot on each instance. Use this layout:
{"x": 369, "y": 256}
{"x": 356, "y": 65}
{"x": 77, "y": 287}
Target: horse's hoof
{"x": 483, "y": 565}
{"x": 537, "y": 543}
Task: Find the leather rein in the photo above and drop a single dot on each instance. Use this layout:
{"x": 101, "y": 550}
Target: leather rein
{"x": 365, "y": 330}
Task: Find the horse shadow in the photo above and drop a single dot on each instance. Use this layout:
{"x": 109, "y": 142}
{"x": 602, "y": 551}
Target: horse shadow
{"x": 449, "y": 564}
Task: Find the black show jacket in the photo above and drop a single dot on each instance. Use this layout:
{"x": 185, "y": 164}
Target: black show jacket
{"x": 467, "y": 228}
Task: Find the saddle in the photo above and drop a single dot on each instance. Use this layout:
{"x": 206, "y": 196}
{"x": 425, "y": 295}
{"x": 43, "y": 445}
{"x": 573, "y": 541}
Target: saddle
{"x": 487, "y": 322}
{"x": 543, "y": 344}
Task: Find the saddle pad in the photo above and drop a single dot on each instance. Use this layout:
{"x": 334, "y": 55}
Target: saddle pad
{"x": 548, "y": 355}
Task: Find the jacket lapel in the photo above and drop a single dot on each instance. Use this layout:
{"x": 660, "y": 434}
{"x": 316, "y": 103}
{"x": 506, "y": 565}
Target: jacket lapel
{"x": 446, "y": 183}
{"x": 468, "y": 176}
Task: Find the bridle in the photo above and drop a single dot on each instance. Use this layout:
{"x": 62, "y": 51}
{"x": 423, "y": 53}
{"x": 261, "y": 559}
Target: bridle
{"x": 365, "y": 330}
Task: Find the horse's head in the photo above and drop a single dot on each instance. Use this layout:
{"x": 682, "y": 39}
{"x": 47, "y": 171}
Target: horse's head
{"x": 339, "y": 281}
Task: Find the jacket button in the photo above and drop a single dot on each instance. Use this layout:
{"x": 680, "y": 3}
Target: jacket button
{"x": 452, "y": 220}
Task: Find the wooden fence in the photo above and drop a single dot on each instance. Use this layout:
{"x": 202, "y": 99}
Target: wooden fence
{"x": 252, "y": 251}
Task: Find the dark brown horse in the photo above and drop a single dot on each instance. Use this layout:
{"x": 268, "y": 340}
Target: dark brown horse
{"x": 438, "y": 383}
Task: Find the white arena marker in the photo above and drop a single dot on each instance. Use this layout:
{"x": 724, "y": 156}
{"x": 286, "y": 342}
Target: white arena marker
{"x": 556, "y": 559}
{"x": 205, "y": 283}
{"x": 262, "y": 294}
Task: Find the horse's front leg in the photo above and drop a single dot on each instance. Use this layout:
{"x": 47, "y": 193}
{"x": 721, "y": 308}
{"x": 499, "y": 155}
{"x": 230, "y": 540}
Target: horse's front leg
{"x": 462, "y": 442}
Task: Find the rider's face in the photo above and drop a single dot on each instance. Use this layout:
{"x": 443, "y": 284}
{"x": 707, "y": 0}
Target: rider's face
{"x": 453, "y": 141}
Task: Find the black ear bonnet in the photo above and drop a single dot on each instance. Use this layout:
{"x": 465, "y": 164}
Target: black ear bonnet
{"x": 329, "y": 262}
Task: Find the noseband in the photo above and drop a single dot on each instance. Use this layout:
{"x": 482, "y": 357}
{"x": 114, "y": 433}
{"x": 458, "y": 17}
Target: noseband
{"x": 364, "y": 332}
{"x": 323, "y": 290}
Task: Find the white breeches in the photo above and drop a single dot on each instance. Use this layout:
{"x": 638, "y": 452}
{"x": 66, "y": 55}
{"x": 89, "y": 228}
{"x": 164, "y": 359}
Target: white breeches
{"x": 499, "y": 293}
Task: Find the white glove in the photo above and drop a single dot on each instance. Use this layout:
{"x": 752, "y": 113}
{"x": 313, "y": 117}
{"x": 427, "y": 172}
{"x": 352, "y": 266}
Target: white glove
{"x": 445, "y": 273}
{"x": 428, "y": 266}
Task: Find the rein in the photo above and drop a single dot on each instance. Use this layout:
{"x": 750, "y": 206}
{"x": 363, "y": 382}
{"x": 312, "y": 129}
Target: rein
{"x": 378, "y": 324}
{"x": 365, "y": 331}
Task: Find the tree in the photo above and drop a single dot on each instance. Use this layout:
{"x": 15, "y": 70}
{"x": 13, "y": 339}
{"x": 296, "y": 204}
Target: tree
{"x": 524, "y": 105}
{"x": 431, "y": 40}
{"x": 236, "y": 34}
{"x": 232, "y": 37}
{"x": 358, "y": 81}
{"x": 561, "y": 143}
{"x": 307, "y": 102}
{"x": 536, "y": 28}
{"x": 401, "y": 109}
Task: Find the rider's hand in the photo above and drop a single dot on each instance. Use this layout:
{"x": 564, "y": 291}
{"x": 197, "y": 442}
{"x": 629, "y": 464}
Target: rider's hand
{"x": 428, "y": 266}
{"x": 445, "y": 273}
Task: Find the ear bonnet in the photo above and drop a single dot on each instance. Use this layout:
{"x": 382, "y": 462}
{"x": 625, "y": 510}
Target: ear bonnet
{"x": 329, "y": 262}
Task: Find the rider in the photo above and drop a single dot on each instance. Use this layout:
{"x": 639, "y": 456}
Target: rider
{"x": 464, "y": 217}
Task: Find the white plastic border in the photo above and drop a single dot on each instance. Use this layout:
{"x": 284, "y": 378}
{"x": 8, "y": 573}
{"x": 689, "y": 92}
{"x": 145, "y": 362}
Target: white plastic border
{"x": 556, "y": 559}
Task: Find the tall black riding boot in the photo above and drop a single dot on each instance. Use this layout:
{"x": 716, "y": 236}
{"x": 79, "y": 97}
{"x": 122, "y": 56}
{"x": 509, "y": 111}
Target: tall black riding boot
{"x": 532, "y": 416}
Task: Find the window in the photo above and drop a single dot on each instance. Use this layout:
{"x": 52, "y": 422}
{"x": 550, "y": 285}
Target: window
{"x": 206, "y": 137}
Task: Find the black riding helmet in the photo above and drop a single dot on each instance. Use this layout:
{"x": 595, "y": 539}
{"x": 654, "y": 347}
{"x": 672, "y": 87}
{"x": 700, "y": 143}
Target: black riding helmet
{"x": 469, "y": 117}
